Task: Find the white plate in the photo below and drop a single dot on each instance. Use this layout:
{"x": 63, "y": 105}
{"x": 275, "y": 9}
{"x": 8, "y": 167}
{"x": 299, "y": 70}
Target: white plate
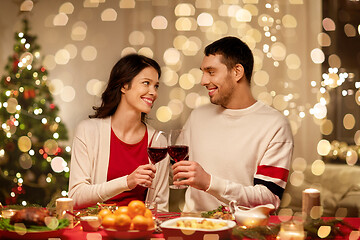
{"x": 171, "y": 230}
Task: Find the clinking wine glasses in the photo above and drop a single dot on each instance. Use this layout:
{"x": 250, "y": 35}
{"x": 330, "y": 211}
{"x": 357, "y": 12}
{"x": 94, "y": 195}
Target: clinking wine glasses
{"x": 177, "y": 149}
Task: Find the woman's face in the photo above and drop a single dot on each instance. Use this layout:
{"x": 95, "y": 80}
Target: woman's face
{"x": 143, "y": 91}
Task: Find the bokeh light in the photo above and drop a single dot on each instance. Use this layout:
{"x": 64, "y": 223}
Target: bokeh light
{"x": 349, "y": 121}
{"x": 293, "y": 61}
{"x": 334, "y": 61}
{"x": 51, "y": 146}
{"x": 159, "y": 22}
{"x": 88, "y": 53}
{"x": 109, "y": 15}
{"x": 62, "y": 57}
{"x": 318, "y": 167}
{"x": 72, "y": 50}
{"x": 163, "y": 114}
{"x": 289, "y": 21}
{"x": 299, "y": 164}
{"x": 58, "y": 164}
{"x": 136, "y": 38}
{"x": 324, "y": 39}
{"x": 127, "y": 4}
{"x": 79, "y": 31}
{"x": 349, "y": 30}
{"x": 205, "y": 19}
{"x": 67, "y": 8}
{"x": 25, "y": 161}
{"x": 243, "y": 15}
{"x": 56, "y": 86}
{"x": 323, "y": 147}
{"x": 328, "y": 24}
{"x": 171, "y": 56}
{"x": 317, "y": 56}
{"x": 278, "y": 51}
{"x": 186, "y": 24}
{"x": 26, "y": 6}
{"x": 68, "y": 94}
{"x": 148, "y": 52}
{"x": 24, "y": 143}
{"x": 60, "y": 19}
{"x": 184, "y": 9}
{"x": 186, "y": 81}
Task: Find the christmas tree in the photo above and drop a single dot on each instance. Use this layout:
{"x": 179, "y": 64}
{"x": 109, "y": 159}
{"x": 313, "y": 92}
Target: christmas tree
{"x": 33, "y": 164}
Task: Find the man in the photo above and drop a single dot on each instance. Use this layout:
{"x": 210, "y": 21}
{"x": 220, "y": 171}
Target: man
{"x": 239, "y": 148}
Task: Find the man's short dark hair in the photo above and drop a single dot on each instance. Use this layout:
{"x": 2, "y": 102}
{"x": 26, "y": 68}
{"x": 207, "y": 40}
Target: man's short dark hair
{"x": 233, "y": 51}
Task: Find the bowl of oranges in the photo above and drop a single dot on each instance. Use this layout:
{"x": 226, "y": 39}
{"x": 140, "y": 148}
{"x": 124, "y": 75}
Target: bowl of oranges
{"x": 128, "y": 222}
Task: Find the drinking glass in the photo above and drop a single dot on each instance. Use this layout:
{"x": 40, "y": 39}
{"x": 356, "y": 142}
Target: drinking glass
{"x": 157, "y": 148}
{"x": 177, "y": 149}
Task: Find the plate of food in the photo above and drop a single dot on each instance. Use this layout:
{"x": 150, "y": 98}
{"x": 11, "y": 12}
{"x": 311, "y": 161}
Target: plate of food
{"x": 197, "y": 228}
{"x": 32, "y": 223}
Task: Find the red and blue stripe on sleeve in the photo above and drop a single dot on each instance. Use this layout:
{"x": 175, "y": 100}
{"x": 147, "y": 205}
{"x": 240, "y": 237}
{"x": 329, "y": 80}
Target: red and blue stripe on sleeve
{"x": 274, "y": 178}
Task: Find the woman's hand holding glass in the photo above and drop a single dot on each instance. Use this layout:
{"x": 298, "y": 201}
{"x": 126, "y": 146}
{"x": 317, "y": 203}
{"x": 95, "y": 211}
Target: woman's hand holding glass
{"x": 142, "y": 175}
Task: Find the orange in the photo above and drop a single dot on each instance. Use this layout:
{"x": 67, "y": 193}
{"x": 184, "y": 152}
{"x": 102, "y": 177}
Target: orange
{"x": 103, "y": 212}
{"x": 148, "y": 213}
{"x": 121, "y": 210}
{"x": 140, "y": 222}
{"x": 136, "y": 207}
{"x": 109, "y": 221}
{"x": 122, "y": 222}
{"x": 151, "y": 223}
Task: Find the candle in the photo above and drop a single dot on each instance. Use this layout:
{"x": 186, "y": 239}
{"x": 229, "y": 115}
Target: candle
{"x": 62, "y": 206}
{"x": 311, "y": 199}
{"x": 291, "y": 231}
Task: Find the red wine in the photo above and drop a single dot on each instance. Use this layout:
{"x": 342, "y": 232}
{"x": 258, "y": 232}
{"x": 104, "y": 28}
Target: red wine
{"x": 156, "y": 154}
{"x": 178, "y": 152}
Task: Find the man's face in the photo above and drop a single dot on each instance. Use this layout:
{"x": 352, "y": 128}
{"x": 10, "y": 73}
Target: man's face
{"x": 218, "y": 80}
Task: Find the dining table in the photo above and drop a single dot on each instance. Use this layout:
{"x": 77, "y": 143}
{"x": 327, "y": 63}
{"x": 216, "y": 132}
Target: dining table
{"x": 77, "y": 232}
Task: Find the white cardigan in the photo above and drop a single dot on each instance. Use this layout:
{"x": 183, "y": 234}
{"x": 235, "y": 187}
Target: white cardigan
{"x": 89, "y": 166}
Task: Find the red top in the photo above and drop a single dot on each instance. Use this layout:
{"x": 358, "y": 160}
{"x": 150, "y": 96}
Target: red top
{"x": 124, "y": 159}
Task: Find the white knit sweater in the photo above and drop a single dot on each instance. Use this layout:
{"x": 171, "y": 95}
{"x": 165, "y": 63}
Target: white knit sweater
{"x": 246, "y": 151}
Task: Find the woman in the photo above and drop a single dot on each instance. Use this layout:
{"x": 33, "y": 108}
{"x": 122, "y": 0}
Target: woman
{"x": 109, "y": 161}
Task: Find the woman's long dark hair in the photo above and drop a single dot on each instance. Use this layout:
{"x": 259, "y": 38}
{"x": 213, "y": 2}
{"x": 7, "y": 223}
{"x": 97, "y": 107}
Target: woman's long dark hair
{"x": 121, "y": 74}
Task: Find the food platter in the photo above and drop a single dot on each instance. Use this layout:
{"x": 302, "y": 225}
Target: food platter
{"x": 44, "y": 228}
{"x": 31, "y": 235}
{"x": 131, "y": 234}
{"x": 170, "y": 229}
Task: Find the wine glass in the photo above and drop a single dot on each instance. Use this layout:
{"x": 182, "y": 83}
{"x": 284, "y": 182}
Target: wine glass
{"x": 177, "y": 149}
{"x": 157, "y": 148}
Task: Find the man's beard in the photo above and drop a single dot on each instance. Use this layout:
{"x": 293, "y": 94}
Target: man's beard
{"x": 221, "y": 100}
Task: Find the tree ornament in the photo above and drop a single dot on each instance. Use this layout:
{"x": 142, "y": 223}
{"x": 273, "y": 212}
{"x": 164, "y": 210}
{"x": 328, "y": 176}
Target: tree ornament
{"x": 15, "y": 63}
